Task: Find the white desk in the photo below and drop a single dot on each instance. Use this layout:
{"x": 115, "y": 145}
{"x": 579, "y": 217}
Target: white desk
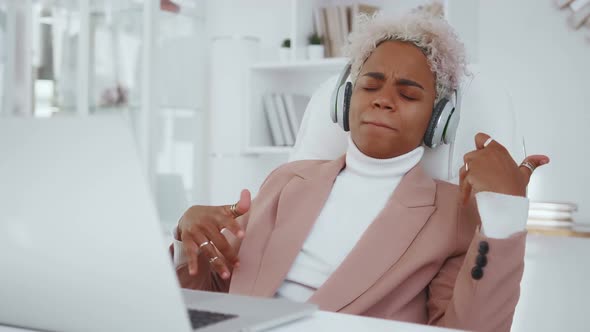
{"x": 329, "y": 321}
{"x": 554, "y": 294}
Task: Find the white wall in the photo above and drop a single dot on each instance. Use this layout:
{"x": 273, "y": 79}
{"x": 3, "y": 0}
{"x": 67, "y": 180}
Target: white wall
{"x": 546, "y": 68}
{"x": 267, "y": 19}
{"x": 229, "y": 170}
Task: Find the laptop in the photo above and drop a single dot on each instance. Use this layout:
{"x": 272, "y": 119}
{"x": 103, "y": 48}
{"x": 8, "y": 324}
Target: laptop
{"x": 81, "y": 248}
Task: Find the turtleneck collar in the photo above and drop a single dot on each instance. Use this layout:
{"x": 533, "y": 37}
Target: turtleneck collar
{"x": 359, "y": 163}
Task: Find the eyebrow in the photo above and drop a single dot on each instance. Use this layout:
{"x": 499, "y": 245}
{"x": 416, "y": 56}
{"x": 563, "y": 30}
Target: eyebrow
{"x": 401, "y": 81}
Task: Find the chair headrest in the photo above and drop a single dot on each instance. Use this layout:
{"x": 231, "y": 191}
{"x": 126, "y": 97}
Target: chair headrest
{"x": 484, "y": 105}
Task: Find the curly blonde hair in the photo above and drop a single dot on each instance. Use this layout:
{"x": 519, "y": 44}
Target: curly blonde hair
{"x": 430, "y": 33}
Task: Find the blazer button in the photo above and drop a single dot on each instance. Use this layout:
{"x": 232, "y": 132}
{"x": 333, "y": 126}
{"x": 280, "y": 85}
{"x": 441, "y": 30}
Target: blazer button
{"x": 481, "y": 260}
{"x": 476, "y": 273}
{"x": 484, "y": 247}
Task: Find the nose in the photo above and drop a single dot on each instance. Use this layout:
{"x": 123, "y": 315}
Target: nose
{"x": 384, "y": 103}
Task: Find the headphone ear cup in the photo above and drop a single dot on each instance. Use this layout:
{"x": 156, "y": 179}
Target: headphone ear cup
{"x": 433, "y": 135}
{"x": 346, "y": 106}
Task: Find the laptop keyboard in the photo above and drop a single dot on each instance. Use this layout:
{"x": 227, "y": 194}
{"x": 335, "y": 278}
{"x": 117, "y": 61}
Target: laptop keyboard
{"x": 200, "y": 318}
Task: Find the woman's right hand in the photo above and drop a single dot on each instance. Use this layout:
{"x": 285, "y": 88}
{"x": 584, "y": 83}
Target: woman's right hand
{"x": 201, "y": 231}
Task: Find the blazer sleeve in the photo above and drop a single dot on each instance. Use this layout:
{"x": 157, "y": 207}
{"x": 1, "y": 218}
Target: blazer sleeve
{"x": 479, "y": 286}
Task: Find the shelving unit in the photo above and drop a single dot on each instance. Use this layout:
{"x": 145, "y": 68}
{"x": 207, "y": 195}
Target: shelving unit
{"x": 300, "y": 78}
{"x": 322, "y": 64}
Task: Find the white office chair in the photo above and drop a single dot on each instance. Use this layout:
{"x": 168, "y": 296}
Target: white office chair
{"x": 485, "y": 106}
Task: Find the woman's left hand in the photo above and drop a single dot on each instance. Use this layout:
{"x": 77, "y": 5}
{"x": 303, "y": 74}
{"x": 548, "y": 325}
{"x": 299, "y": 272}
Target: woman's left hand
{"x": 491, "y": 168}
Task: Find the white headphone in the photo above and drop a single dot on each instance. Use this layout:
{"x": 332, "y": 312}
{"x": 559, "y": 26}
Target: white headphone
{"x": 442, "y": 127}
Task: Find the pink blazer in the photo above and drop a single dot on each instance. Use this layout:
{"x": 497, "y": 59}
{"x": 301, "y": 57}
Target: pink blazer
{"x": 419, "y": 261}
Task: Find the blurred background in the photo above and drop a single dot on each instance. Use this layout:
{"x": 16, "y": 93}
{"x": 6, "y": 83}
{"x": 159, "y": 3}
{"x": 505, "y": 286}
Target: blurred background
{"x": 214, "y": 93}
{"x": 199, "y": 81}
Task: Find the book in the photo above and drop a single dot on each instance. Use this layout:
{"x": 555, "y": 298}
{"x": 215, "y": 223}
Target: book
{"x": 320, "y": 27}
{"x": 295, "y": 105}
{"x": 273, "y": 120}
{"x": 288, "y": 136}
{"x": 551, "y": 214}
{"x": 334, "y": 33}
{"x": 344, "y": 26}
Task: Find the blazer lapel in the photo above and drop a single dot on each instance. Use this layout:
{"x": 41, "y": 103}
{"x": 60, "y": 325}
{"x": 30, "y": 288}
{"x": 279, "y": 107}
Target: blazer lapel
{"x": 300, "y": 204}
{"x": 383, "y": 243}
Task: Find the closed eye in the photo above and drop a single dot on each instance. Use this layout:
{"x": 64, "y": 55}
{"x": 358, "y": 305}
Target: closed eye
{"x": 408, "y": 97}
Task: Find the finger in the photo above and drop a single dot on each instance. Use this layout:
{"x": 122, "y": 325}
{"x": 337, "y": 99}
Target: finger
{"x": 191, "y": 251}
{"x": 536, "y": 161}
{"x": 462, "y": 174}
{"x": 467, "y": 189}
{"x": 470, "y": 156}
{"x": 480, "y": 140}
{"x": 241, "y": 207}
{"x": 244, "y": 202}
{"x": 464, "y": 186}
{"x": 230, "y": 224}
{"x": 228, "y": 252}
{"x": 217, "y": 264}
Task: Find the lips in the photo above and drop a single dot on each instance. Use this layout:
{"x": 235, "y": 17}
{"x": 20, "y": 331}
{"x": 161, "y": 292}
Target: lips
{"x": 379, "y": 124}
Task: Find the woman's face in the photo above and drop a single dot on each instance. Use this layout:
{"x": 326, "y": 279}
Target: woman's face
{"x": 392, "y": 101}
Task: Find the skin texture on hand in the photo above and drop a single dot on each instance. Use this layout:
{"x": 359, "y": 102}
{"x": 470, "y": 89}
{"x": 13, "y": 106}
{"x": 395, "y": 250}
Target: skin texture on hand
{"x": 201, "y": 231}
{"x": 491, "y": 168}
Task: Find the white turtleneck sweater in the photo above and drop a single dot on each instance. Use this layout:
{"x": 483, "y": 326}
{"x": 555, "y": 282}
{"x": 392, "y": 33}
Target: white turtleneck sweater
{"x": 360, "y": 192}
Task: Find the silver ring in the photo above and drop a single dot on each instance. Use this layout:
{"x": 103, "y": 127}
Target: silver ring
{"x": 213, "y": 259}
{"x": 488, "y": 142}
{"x": 466, "y": 167}
{"x": 204, "y": 244}
{"x": 528, "y": 165}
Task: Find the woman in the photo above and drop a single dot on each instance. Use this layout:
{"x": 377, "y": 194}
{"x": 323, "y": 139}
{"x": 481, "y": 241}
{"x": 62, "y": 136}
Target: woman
{"x": 371, "y": 233}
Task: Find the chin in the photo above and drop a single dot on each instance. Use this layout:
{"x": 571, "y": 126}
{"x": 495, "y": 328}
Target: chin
{"x": 376, "y": 149}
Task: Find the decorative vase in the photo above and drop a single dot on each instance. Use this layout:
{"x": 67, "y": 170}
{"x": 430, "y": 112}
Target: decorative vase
{"x": 315, "y": 52}
{"x": 285, "y": 54}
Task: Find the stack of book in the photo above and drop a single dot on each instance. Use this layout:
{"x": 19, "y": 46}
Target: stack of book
{"x": 284, "y": 113}
{"x": 555, "y": 218}
{"x": 334, "y": 23}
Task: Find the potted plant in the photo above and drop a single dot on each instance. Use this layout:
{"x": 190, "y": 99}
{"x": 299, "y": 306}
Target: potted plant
{"x": 315, "y": 49}
{"x": 285, "y": 50}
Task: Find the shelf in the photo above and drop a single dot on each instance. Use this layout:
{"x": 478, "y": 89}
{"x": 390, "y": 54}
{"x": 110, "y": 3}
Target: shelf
{"x": 327, "y": 63}
{"x": 269, "y": 150}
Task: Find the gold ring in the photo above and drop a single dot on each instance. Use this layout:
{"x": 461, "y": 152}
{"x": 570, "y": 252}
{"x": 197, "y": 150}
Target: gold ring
{"x": 204, "y": 244}
{"x": 213, "y": 259}
{"x": 528, "y": 165}
{"x": 234, "y": 210}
